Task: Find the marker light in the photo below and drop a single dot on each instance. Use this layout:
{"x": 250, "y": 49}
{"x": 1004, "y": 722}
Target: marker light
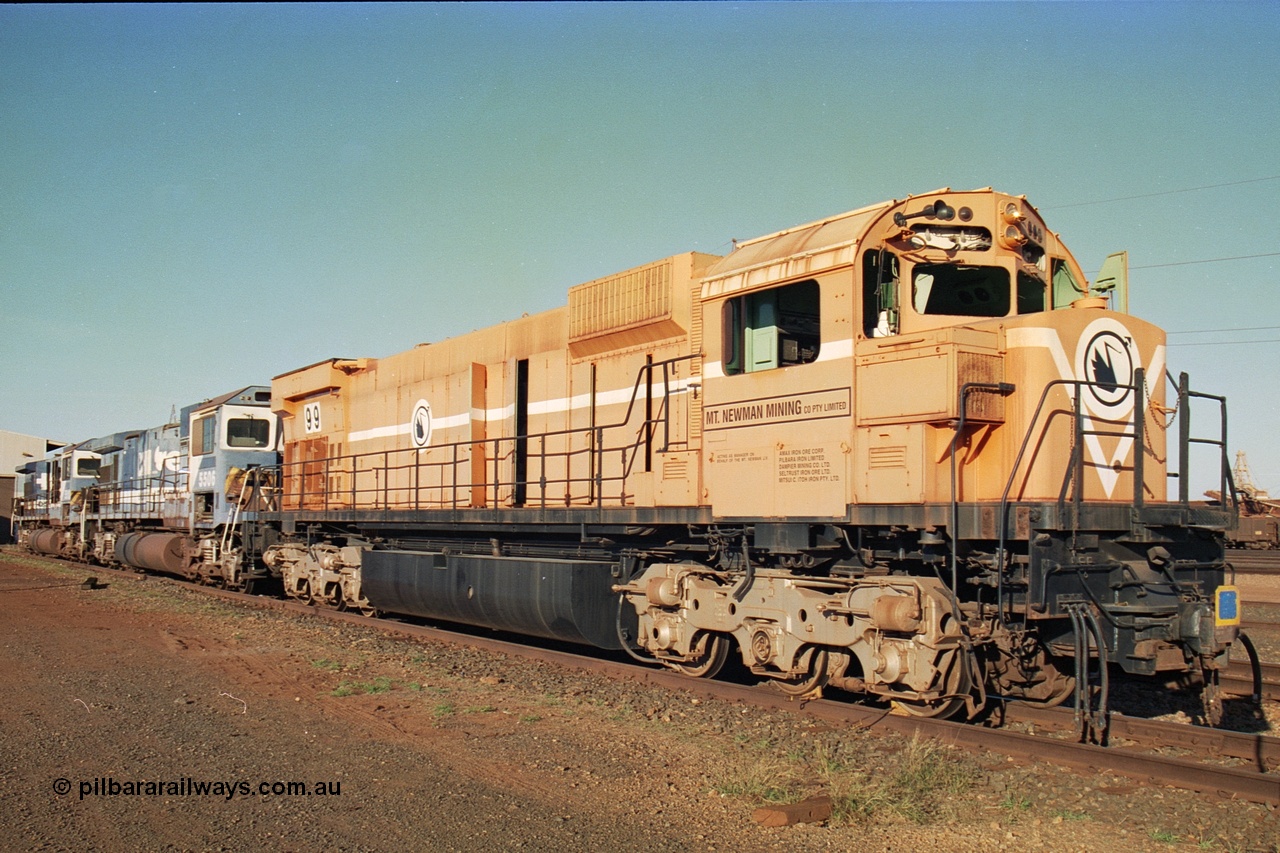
{"x": 1227, "y": 606}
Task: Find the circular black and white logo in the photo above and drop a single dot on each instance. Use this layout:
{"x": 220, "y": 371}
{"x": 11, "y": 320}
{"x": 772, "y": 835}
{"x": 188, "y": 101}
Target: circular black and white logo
{"x": 420, "y": 424}
{"x": 1105, "y": 363}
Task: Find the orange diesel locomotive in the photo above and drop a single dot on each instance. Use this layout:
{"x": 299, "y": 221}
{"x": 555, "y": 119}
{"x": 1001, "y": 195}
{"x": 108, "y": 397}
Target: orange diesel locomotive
{"x": 903, "y": 451}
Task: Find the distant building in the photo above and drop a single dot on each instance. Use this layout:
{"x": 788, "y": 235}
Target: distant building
{"x": 16, "y": 450}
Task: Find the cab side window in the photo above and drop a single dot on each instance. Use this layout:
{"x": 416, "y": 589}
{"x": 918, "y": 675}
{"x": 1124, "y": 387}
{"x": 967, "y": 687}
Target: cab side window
{"x": 204, "y": 436}
{"x": 1065, "y": 287}
{"x": 772, "y": 328}
{"x": 879, "y": 294}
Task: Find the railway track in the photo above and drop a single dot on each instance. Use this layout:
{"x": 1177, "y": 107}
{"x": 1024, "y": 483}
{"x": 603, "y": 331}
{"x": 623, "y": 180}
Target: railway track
{"x": 1238, "y": 679}
{"x": 1254, "y": 756}
{"x": 1247, "y": 561}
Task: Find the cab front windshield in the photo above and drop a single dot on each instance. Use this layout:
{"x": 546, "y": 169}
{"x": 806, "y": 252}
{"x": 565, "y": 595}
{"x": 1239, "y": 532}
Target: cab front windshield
{"x": 972, "y": 291}
{"x": 248, "y": 432}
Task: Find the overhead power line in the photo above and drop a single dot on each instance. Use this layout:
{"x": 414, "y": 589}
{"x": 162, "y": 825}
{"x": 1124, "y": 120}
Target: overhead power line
{"x": 1206, "y": 261}
{"x": 1225, "y": 343}
{"x": 1165, "y": 192}
{"x": 1202, "y": 261}
{"x": 1211, "y": 331}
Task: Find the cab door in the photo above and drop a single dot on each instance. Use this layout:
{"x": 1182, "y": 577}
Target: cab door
{"x": 778, "y": 401}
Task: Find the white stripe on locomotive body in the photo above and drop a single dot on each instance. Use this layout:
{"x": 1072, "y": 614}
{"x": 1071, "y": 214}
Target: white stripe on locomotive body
{"x": 1042, "y": 336}
{"x": 545, "y": 407}
{"x": 834, "y": 350}
{"x": 1047, "y": 338}
{"x": 828, "y": 351}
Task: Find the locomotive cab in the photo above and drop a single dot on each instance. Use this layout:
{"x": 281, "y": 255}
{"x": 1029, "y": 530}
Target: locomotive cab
{"x": 933, "y": 379}
{"x": 227, "y": 436}
{"x": 73, "y": 473}
{"x": 942, "y": 266}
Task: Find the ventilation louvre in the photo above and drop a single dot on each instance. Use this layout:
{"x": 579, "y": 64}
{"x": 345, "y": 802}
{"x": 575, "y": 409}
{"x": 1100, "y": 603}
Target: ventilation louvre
{"x": 624, "y": 301}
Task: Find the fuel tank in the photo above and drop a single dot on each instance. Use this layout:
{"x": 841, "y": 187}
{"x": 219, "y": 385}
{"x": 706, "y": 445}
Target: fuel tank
{"x": 567, "y": 600}
{"x": 159, "y": 552}
{"x": 47, "y": 541}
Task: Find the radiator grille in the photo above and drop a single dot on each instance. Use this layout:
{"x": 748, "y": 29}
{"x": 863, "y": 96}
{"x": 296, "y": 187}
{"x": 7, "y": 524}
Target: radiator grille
{"x": 980, "y": 367}
{"x": 695, "y": 366}
{"x": 632, "y": 298}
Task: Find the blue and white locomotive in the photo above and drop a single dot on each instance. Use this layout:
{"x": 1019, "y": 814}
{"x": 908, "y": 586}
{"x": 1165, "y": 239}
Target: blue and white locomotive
{"x": 166, "y": 498}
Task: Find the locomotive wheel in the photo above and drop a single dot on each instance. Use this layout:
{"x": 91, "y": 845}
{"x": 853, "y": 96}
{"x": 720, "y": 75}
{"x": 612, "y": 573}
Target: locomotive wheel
{"x": 956, "y": 681}
{"x": 361, "y": 605}
{"x": 714, "y": 651}
{"x": 823, "y": 666}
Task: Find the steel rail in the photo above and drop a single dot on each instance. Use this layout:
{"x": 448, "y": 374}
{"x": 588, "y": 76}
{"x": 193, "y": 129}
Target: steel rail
{"x": 1228, "y": 782}
{"x": 1262, "y": 751}
{"x": 1252, "y": 561}
{"x": 1237, "y": 679}
{"x": 1233, "y": 783}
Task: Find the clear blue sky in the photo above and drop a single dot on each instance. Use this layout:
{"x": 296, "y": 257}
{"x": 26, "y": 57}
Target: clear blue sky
{"x": 196, "y": 198}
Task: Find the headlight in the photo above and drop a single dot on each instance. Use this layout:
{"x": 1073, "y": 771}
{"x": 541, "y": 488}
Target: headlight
{"x": 1012, "y": 237}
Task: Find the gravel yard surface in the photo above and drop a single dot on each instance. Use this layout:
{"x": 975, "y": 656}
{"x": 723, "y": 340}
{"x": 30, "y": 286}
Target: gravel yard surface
{"x": 198, "y": 711}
